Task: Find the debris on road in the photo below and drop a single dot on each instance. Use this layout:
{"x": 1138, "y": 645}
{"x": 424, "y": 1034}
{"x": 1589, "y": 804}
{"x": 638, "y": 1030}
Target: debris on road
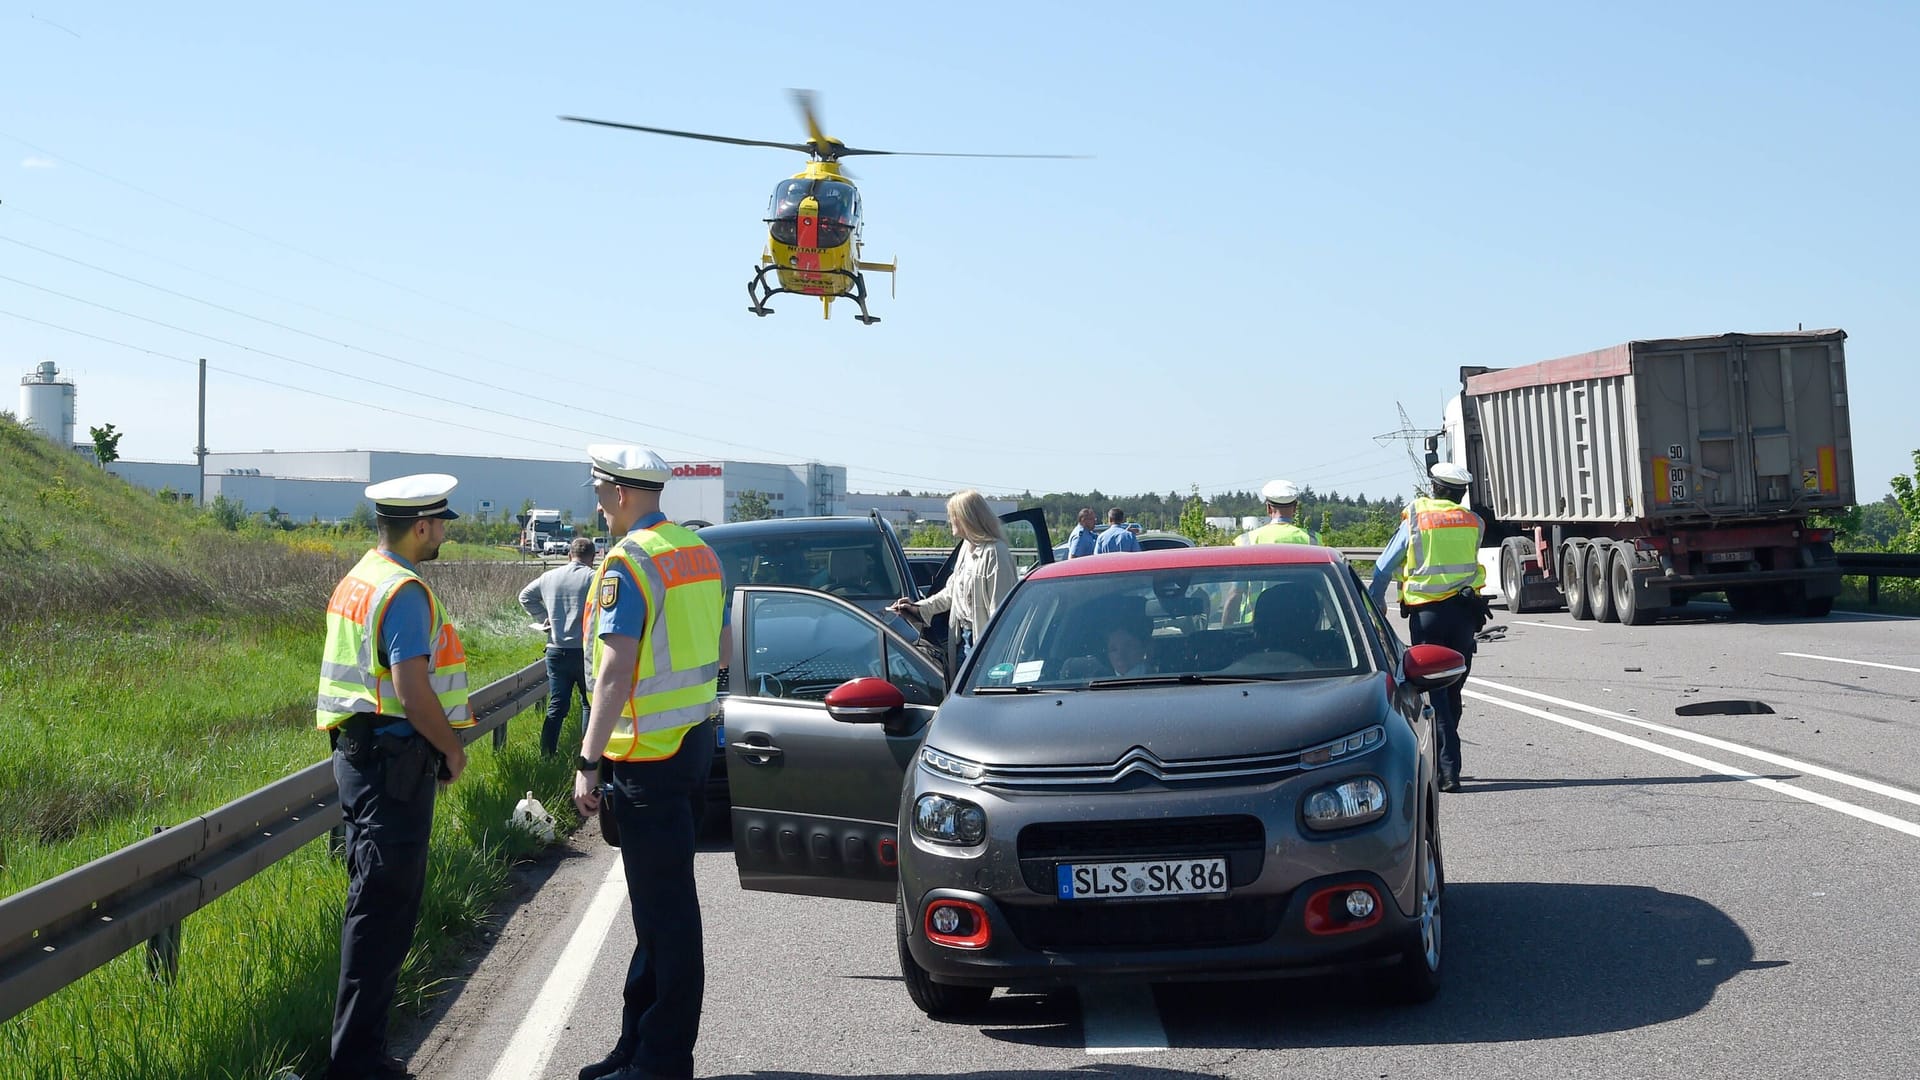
{"x": 1724, "y": 708}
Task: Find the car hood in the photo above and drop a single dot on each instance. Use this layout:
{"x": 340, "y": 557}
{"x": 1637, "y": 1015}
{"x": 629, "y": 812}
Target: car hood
{"x": 1175, "y": 723}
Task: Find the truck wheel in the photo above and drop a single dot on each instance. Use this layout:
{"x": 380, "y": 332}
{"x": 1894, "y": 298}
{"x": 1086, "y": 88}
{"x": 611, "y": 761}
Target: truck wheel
{"x": 1746, "y": 600}
{"x": 1626, "y": 600}
{"x": 1511, "y": 578}
{"x": 1573, "y": 580}
{"x": 1599, "y": 595}
{"x": 1813, "y": 607}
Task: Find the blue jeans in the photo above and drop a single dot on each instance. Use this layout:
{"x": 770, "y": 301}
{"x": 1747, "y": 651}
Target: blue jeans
{"x": 962, "y": 648}
{"x": 667, "y": 976}
{"x": 566, "y": 673}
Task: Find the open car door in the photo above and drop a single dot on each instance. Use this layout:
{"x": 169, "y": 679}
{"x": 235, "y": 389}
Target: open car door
{"x": 816, "y": 787}
{"x": 1025, "y": 529}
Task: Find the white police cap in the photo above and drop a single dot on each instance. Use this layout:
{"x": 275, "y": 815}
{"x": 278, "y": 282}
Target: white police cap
{"x": 1281, "y": 492}
{"x": 1450, "y": 474}
{"x": 629, "y": 466}
{"x": 422, "y": 495}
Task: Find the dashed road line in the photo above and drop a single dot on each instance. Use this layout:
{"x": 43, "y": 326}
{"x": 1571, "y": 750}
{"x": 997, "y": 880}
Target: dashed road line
{"x": 1844, "y": 660}
{"x": 1121, "y": 1019}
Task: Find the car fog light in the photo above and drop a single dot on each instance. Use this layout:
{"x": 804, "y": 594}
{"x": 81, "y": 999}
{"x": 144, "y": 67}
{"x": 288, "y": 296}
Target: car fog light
{"x": 947, "y": 920}
{"x": 1359, "y": 903}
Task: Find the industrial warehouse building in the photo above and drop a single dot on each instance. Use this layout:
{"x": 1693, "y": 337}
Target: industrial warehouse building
{"x": 327, "y": 484}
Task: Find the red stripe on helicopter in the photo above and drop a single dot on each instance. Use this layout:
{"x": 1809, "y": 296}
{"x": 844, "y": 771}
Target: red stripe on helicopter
{"x": 809, "y": 253}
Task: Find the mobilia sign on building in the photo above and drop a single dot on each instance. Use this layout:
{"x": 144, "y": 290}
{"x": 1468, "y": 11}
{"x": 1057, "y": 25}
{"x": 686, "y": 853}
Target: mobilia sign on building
{"x": 709, "y": 491}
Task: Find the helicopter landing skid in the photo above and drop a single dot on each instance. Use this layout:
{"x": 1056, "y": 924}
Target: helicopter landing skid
{"x": 759, "y": 292}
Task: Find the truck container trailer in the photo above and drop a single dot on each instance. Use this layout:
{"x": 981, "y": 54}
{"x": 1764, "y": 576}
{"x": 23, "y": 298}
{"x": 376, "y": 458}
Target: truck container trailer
{"x": 1623, "y": 481}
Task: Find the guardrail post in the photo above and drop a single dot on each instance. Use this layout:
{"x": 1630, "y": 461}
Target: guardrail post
{"x": 1873, "y": 590}
{"x": 163, "y": 948}
{"x": 500, "y": 737}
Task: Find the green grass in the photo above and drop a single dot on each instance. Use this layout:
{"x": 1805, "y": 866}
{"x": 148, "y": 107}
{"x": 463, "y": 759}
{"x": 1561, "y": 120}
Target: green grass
{"x": 157, "y": 666}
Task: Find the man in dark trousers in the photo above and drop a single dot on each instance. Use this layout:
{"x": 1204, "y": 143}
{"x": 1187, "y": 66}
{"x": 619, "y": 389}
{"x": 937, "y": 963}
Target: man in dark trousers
{"x": 558, "y": 598}
{"x": 1439, "y": 590}
{"x": 393, "y": 687}
{"x": 657, "y": 618}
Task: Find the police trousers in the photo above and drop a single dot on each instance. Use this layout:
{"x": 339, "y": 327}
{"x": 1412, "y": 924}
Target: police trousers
{"x": 387, "y": 792}
{"x": 667, "y": 976}
{"x": 1452, "y": 622}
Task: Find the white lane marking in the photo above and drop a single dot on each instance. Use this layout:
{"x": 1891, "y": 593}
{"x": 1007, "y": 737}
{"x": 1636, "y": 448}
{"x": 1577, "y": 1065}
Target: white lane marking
{"x": 1874, "y": 786}
{"x": 1887, "y": 821}
{"x": 1121, "y": 1019}
{"x": 1556, "y": 626}
{"x": 539, "y": 1032}
{"x": 1843, "y": 660}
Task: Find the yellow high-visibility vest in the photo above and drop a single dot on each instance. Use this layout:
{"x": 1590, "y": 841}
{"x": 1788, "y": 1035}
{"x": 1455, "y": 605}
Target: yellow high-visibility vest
{"x": 677, "y": 669}
{"x": 352, "y": 678}
{"x": 1273, "y": 532}
{"x": 1443, "y": 551}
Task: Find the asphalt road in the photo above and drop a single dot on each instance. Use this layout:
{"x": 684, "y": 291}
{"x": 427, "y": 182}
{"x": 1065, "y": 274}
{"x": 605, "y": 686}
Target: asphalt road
{"x": 1632, "y": 893}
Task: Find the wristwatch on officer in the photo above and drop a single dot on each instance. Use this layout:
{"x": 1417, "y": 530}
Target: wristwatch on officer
{"x": 581, "y": 764}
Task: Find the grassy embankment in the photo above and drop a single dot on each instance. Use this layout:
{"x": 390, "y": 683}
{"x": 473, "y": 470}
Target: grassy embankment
{"x": 154, "y": 666}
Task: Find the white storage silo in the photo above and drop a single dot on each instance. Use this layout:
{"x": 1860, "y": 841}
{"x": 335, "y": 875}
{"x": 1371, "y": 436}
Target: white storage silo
{"x": 46, "y": 403}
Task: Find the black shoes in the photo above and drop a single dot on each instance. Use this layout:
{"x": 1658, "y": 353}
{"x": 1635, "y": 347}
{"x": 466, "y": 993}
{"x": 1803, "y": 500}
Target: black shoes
{"x": 1449, "y": 780}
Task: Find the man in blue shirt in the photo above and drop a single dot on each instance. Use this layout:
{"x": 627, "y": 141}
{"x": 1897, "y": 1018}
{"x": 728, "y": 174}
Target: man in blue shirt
{"x": 1117, "y": 536}
{"x": 1080, "y": 541}
{"x": 557, "y": 599}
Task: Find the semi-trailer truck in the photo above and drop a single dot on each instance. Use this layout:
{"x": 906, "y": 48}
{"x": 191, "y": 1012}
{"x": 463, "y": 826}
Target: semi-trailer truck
{"x": 1623, "y": 481}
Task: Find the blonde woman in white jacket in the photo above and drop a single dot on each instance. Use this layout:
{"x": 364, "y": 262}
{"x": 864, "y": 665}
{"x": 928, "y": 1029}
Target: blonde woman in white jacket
{"x": 982, "y": 577}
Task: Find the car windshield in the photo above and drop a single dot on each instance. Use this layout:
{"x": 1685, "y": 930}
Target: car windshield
{"x": 1169, "y": 626}
{"x": 852, "y": 565}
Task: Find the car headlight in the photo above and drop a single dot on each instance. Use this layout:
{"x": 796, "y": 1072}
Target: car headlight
{"x": 1346, "y": 804}
{"x": 948, "y": 765}
{"x": 946, "y": 820}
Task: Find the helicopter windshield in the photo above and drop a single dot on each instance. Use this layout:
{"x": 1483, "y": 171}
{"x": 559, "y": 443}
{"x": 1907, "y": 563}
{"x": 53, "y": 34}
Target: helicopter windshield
{"x": 838, "y": 214}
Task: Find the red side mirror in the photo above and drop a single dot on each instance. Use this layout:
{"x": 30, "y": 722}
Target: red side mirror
{"x": 1433, "y": 667}
{"x": 864, "y": 701}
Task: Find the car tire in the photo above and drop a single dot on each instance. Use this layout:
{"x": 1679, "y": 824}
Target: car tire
{"x": 1415, "y": 980}
{"x": 937, "y": 1000}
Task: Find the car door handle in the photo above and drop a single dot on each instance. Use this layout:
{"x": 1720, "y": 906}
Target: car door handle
{"x": 758, "y": 753}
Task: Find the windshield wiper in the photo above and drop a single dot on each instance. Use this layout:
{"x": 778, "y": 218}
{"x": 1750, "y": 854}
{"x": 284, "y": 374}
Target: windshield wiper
{"x": 1189, "y": 679}
{"x": 1023, "y": 689}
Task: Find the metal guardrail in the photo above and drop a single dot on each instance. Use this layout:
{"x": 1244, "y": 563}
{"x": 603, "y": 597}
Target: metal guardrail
{"x": 1874, "y": 565}
{"x": 59, "y": 930}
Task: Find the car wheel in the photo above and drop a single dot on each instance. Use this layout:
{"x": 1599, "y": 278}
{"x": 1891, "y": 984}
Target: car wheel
{"x": 937, "y": 1000}
{"x": 1416, "y": 978}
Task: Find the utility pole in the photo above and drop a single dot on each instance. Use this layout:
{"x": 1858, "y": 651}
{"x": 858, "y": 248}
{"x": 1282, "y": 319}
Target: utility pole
{"x": 200, "y": 447}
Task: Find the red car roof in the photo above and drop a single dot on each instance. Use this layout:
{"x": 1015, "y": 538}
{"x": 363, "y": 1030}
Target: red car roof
{"x": 1184, "y": 558}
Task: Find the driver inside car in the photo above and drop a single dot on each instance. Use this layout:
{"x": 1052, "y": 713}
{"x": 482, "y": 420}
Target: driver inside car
{"x": 1127, "y": 651}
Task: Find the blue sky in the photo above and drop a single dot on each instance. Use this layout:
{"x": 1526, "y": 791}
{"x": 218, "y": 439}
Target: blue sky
{"x": 1296, "y": 218}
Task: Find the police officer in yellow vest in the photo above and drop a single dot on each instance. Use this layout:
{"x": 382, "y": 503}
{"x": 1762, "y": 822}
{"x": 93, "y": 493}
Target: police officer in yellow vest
{"x": 1439, "y": 590}
{"x": 1283, "y": 505}
{"x": 393, "y": 687}
{"x": 656, "y": 624}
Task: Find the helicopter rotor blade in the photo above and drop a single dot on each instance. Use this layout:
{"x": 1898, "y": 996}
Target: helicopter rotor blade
{"x": 848, "y": 151}
{"x": 805, "y": 101}
{"x": 802, "y": 147}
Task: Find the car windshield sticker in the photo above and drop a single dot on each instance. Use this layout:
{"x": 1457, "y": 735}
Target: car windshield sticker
{"x": 998, "y": 673}
{"x": 1028, "y": 671}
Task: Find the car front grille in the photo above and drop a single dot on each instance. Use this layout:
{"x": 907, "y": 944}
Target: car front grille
{"x": 1043, "y": 847}
{"x": 1122, "y": 924}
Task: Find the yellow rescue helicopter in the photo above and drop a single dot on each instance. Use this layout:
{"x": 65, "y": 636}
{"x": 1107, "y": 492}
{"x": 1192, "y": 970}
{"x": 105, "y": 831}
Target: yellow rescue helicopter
{"x": 813, "y": 219}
